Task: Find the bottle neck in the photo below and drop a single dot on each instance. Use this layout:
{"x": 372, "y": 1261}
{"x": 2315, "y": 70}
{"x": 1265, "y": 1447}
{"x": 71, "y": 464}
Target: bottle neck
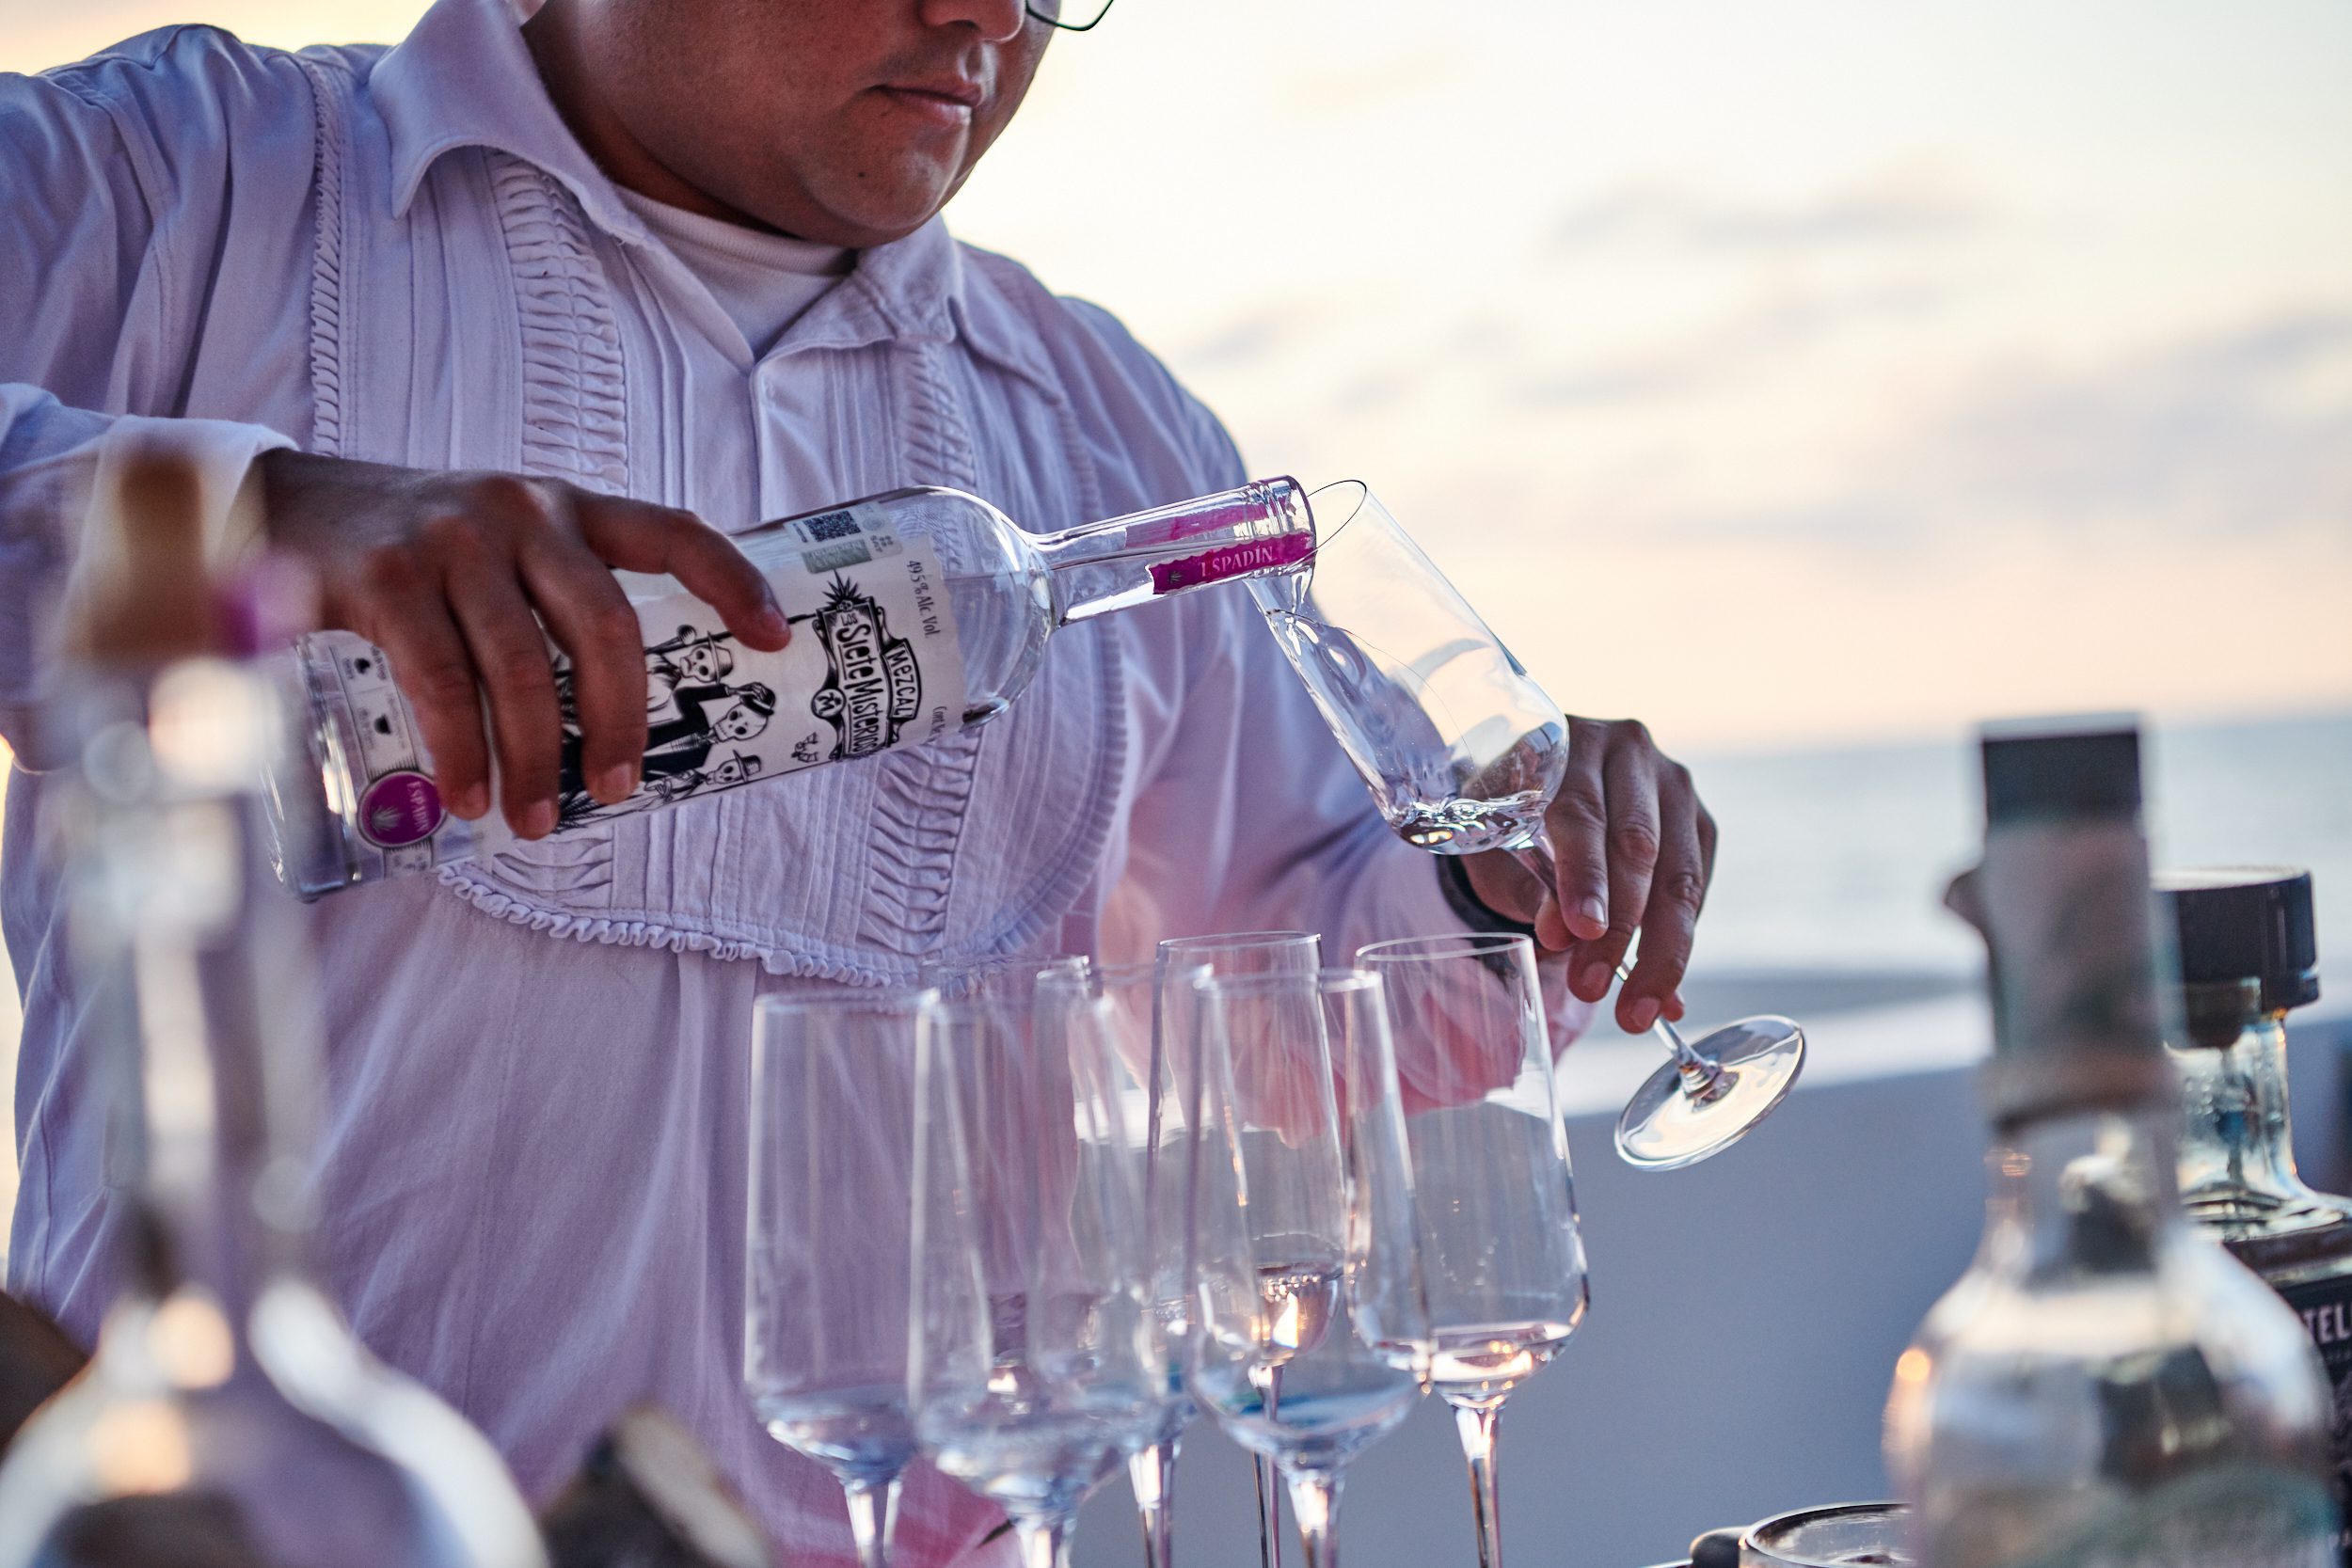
{"x": 2069, "y": 935}
{"x": 2085, "y": 1193}
{"x": 1264, "y": 528}
{"x": 182, "y": 942}
{"x": 2237, "y": 1149}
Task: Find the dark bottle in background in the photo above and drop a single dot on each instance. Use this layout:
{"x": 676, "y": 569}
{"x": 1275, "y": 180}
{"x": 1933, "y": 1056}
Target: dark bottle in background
{"x": 2248, "y": 953}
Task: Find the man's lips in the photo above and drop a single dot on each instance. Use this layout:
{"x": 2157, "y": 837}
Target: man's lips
{"x": 947, "y": 100}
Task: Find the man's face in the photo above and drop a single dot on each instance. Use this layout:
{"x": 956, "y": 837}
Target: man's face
{"x": 845, "y": 121}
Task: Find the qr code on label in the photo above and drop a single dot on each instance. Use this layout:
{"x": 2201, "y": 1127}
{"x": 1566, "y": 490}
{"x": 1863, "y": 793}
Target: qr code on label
{"x": 828, "y": 526}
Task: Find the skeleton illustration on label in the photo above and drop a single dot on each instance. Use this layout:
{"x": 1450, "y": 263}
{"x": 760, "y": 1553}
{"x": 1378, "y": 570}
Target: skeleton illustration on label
{"x": 692, "y": 710}
{"x": 871, "y": 641}
{"x": 874, "y": 663}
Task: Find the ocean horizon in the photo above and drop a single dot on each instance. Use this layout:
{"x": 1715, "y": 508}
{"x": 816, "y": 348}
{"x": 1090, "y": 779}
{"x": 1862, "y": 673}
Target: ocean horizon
{"x": 1833, "y": 857}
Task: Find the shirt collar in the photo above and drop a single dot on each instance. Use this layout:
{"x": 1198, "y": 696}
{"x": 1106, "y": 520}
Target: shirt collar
{"x": 463, "y": 77}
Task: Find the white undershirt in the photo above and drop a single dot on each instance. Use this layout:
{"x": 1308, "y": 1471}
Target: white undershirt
{"x": 762, "y": 281}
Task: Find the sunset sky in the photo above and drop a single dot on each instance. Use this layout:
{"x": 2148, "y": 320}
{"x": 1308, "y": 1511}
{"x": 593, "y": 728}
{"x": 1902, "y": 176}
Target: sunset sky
{"x": 1779, "y": 373}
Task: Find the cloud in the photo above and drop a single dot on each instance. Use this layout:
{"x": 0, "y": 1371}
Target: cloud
{"x": 1766, "y": 332}
{"x": 1909, "y": 204}
{"x": 2236, "y": 436}
{"x": 1252, "y": 338}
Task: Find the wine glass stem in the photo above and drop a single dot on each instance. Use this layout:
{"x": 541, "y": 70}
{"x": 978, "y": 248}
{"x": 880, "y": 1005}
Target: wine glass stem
{"x": 1315, "y": 1499}
{"x": 1153, "y": 1473}
{"x": 1536, "y": 856}
{"x": 1044, "y": 1542}
{"x": 1702, "y": 1077}
{"x": 1269, "y": 1385}
{"x": 1476, "y": 1424}
{"x": 872, "y": 1506}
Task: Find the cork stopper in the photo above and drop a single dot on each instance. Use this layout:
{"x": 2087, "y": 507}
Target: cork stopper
{"x": 143, "y": 595}
{"x": 2062, "y": 900}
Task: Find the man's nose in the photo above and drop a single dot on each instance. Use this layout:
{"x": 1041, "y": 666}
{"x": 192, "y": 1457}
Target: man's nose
{"x": 997, "y": 21}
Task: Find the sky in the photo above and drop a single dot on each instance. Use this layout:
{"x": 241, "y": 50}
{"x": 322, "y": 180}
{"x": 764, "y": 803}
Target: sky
{"x": 1796, "y": 371}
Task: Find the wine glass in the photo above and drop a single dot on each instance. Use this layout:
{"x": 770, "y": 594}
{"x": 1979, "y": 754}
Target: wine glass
{"x": 1238, "y": 953}
{"x": 1463, "y": 752}
{"x": 1035, "y": 1360}
{"x": 1009, "y": 978}
{"x": 1310, "y": 1340}
{"x": 1143, "y": 1022}
{"x": 1844, "y": 1534}
{"x": 1501, "y": 1262}
{"x": 826, "y": 1285}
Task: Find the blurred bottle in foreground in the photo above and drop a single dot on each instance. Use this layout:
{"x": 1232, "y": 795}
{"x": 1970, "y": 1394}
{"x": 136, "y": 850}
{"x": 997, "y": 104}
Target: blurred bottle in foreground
{"x": 2102, "y": 1386}
{"x": 2248, "y": 952}
{"x": 227, "y": 1417}
{"x": 650, "y": 1497}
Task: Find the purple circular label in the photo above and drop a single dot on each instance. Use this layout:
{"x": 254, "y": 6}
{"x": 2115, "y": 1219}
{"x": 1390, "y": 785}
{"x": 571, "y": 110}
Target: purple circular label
{"x": 399, "y": 809}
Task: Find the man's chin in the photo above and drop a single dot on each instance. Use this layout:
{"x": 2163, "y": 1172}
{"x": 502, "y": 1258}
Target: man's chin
{"x": 877, "y": 211}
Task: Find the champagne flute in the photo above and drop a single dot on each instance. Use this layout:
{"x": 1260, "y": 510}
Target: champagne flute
{"x": 1146, "y": 1022}
{"x": 825, "y": 1281}
{"x": 1300, "y": 1274}
{"x": 1034, "y": 1359}
{"x": 1463, "y": 752}
{"x": 1236, "y": 953}
{"x": 1502, "y": 1262}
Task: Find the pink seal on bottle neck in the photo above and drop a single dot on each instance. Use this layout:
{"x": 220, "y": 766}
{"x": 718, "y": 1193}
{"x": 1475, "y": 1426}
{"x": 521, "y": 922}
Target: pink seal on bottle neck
{"x": 1232, "y": 561}
{"x": 400, "y": 809}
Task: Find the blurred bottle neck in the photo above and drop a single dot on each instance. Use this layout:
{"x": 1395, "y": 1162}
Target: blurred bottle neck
{"x": 2237, "y": 1147}
{"x": 193, "y": 980}
{"x": 2085, "y": 1193}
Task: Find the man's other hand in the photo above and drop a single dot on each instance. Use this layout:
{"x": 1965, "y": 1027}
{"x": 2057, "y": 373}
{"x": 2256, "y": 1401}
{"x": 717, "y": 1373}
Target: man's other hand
{"x": 1635, "y": 850}
{"x": 454, "y": 575}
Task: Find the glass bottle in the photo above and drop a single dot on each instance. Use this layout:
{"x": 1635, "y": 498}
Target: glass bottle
{"x": 914, "y": 614}
{"x": 2102, "y": 1386}
{"x": 2248, "y": 951}
{"x": 227, "y": 1417}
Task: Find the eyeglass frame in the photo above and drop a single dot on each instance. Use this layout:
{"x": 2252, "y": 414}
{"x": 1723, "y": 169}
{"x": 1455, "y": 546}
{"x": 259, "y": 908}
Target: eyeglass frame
{"x": 1037, "y": 13}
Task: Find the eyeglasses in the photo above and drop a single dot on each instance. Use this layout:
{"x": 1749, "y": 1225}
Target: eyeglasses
{"x": 1071, "y": 16}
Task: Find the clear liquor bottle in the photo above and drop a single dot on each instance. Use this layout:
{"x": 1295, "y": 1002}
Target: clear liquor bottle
{"x": 914, "y": 614}
{"x": 2249, "y": 950}
{"x": 227, "y": 1416}
{"x": 2102, "y": 1388}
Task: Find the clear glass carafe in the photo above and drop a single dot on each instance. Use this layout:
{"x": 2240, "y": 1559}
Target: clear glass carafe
{"x": 227, "y": 1416}
{"x": 2102, "y": 1386}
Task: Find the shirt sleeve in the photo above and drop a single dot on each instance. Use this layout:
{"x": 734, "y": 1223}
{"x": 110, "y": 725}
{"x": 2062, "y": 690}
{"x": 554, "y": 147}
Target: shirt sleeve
{"x": 1253, "y": 818}
{"x": 94, "y": 207}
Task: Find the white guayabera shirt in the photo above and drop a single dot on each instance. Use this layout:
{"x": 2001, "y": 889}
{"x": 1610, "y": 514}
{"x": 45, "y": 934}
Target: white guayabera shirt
{"x": 536, "y": 1162}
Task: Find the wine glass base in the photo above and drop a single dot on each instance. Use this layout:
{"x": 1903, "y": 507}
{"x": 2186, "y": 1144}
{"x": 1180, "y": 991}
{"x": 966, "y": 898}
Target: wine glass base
{"x": 1665, "y": 1127}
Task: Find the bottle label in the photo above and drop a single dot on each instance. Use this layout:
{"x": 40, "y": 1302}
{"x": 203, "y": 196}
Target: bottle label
{"x": 874, "y": 663}
{"x": 1232, "y": 561}
{"x": 2326, "y": 1309}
